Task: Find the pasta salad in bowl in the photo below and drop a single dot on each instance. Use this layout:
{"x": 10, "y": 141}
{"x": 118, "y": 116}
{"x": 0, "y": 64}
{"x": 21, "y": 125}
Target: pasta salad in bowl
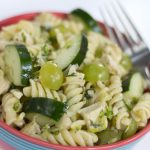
{"x": 64, "y": 83}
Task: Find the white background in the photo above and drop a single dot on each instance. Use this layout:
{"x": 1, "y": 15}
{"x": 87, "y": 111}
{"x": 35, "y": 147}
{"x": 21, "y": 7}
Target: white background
{"x": 139, "y": 11}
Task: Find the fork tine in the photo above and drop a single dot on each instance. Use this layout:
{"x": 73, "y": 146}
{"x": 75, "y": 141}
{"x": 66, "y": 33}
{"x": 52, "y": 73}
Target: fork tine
{"x": 125, "y": 46}
{"x": 129, "y": 20}
{"x": 126, "y": 33}
{"x": 108, "y": 29}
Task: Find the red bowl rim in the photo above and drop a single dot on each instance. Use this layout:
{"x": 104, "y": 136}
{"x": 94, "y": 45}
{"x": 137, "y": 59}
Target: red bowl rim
{"x": 30, "y": 16}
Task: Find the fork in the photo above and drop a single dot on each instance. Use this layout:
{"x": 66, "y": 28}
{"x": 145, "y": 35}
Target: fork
{"x": 131, "y": 42}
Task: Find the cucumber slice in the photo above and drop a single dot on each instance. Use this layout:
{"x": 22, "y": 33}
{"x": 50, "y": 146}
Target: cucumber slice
{"x": 131, "y": 130}
{"x": 74, "y": 54}
{"x": 129, "y": 100}
{"x": 134, "y": 84}
{"x": 18, "y": 64}
{"x": 109, "y": 136}
{"x": 39, "y": 118}
{"x": 45, "y": 106}
{"x": 126, "y": 82}
{"x": 89, "y": 22}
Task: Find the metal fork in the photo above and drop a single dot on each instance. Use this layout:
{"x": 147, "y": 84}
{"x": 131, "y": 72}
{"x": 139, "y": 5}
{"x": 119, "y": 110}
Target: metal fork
{"x": 132, "y": 45}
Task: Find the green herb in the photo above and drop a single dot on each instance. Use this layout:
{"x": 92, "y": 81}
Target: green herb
{"x": 109, "y": 112}
{"x": 95, "y": 125}
{"x": 99, "y": 125}
{"x": 45, "y": 50}
{"x": 17, "y": 106}
{"x": 23, "y": 37}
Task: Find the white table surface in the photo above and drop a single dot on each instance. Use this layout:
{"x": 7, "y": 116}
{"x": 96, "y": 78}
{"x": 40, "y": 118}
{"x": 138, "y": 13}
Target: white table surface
{"x": 139, "y": 11}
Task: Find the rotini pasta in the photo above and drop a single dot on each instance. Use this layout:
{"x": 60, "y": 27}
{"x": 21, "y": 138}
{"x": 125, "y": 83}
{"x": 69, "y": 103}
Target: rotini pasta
{"x": 73, "y": 138}
{"x": 76, "y": 27}
{"x": 93, "y": 44}
{"x": 117, "y": 104}
{"x": 23, "y": 37}
{"x": 8, "y": 32}
{"x": 110, "y": 48}
{"x": 3, "y": 43}
{"x": 10, "y": 108}
{"x": 2, "y": 63}
{"x": 111, "y": 56}
{"x": 34, "y": 50}
{"x": 4, "y": 83}
{"x": 113, "y": 66}
{"x": 102, "y": 93}
{"x": 78, "y": 124}
{"x": 73, "y": 86}
{"x": 74, "y": 90}
{"x": 32, "y": 129}
{"x": 64, "y": 123}
{"x": 47, "y": 20}
{"x": 37, "y": 90}
{"x": 141, "y": 111}
{"x": 60, "y": 38}
{"x": 89, "y": 94}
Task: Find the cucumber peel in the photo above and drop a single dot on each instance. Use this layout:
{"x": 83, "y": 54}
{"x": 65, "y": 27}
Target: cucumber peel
{"x": 18, "y": 64}
{"x": 89, "y": 22}
{"x": 45, "y": 106}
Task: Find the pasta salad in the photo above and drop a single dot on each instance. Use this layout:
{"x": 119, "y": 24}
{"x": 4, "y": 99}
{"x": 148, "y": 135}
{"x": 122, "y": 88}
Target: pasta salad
{"x": 64, "y": 82}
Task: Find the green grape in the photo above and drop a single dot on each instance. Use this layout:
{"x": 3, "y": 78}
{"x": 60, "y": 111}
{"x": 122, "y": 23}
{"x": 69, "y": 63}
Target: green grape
{"x": 131, "y": 130}
{"x": 126, "y": 62}
{"x": 51, "y": 76}
{"x": 95, "y": 72}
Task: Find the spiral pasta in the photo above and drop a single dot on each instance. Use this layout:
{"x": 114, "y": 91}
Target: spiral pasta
{"x": 8, "y": 32}
{"x": 37, "y": 90}
{"x": 75, "y": 27}
{"x": 111, "y": 56}
{"x": 117, "y": 104}
{"x": 141, "y": 111}
{"x": 23, "y": 37}
{"x": 34, "y": 50}
{"x": 93, "y": 44}
{"x": 60, "y": 38}
{"x": 113, "y": 66}
{"x": 32, "y": 129}
{"x": 73, "y": 86}
{"x": 102, "y": 93}
{"x": 4, "y": 83}
{"x": 47, "y": 20}
{"x": 110, "y": 48}
{"x": 73, "y": 138}
{"x": 27, "y": 27}
{"x": 2, "y": 62}
{"x": 3, "y": 43}
{"x": 78, "y": 124}
{"x": 73, "y": 89}
{"x": 10, "y": 109}
{"x": 89, "y": 94}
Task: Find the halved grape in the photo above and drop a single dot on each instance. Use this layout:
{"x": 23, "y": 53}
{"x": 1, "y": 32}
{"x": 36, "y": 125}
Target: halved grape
{"x": 126, "y": 62}
{"x": 51, "y": 76}
{"x": 95, "y": 72}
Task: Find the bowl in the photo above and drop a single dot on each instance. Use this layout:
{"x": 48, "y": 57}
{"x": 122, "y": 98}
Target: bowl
{"x": 11, "y": 138}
